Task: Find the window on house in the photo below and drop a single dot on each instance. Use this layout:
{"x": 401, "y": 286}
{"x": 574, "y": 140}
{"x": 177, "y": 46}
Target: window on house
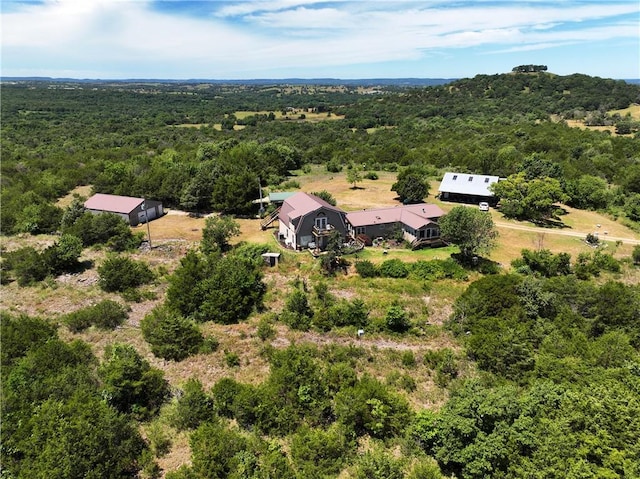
{"x": 486, "y": 180}
{"x": 321, "y": 222}
{"x": 471, "y": 178}
{"x": 455, "y": 177}
{"x": 361, "y": 230}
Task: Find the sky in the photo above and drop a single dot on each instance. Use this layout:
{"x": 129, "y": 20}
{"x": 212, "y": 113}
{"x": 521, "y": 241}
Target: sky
{"x": 348, "y": 39}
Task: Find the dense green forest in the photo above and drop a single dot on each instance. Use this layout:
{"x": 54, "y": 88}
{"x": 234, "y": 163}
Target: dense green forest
{"x": 538, "y": 373}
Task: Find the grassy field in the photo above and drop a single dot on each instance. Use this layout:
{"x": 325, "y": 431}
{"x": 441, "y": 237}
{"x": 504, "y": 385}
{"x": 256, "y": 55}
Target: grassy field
{"x": 633, "y": 111}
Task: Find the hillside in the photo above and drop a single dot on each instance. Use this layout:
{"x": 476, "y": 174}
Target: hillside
{"x": 193, "y": 359}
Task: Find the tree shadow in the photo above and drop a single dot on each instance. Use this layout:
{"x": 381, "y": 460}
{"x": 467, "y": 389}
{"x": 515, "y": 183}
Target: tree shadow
{"x": 550, "y": 223}
{"x": 83, "y": 266}
{"x": 477, "y": 263}
{"x": 354, "y": 187}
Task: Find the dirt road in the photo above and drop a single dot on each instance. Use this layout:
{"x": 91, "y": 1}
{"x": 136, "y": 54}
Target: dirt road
{"x": 561, "y": 232}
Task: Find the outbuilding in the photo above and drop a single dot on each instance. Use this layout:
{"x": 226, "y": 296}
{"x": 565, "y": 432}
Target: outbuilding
{"x": 468, "y": 188}
{"x": 133, "y": 210}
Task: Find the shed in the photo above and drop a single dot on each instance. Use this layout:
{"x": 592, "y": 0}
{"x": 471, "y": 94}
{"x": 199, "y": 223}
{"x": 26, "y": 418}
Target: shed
{"x": 271, "y": 259}
{"x": 133, "y": 210}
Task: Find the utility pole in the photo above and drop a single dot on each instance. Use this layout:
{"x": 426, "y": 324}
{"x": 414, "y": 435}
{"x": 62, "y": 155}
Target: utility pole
{"x": 146, "y": 217}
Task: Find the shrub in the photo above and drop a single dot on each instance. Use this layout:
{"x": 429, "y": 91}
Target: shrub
{"x": 438, "y": 269}
{"x": 371, "y": 408}
{"x": 170, "y": 335}
{"x": 408, "y": 359}
{"x": 378, "y": 465}
{"x": 318, "y": 453}
{"x": 28, "y": 264}
{"x": 130, "y": 384}
{"x": 443, "y": 362}
{"x": 393, "y": 268}
{"x": 396, "y": 319}
{"x": 298, "y": 303}
{"x": 265, "y": 329}
{"x": 252, "y": 252}
{"x": 213, "y": 288}
{"x": 106, "y": 314}
{"x": 592, "y": 239}
{"x": 231, "y": 359}
{"x": 105, "y": 228}
{"x": 119, "y": 273}
{"x": 366, "y": 269}
{"x": 545, "y": 262}
{"x": 194, "y": 406}
{"x": 334, "y": 166}
{"x": 295, "y": 321}
{"x": 326, "y": 196}
{"x": 371, "y": 175}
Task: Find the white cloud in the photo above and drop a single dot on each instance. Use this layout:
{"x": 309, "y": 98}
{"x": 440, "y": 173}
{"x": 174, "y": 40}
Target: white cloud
{"x": 130, "y": 38}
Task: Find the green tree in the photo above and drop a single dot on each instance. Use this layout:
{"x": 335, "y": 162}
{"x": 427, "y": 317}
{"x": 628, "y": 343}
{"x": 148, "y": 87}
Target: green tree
{"x": 369, "y": 407}
{"x": 119, "y": 273}
{"x": 130, "y": 384}
{"x": 64, "y": 254}
{"x": 193, "y": 407}
{"x": 354, "y": 175}
{"x": 317, "y": 453}
{"x": 82, "y": 437}
{"x": 213, "y": 288}
{"x": 378, "y": 464}
{"x": 214, "y": 449}
{"x": 183, "y": 293}
{"x": 217, "y": 232}
{"x": 411, "y": 185}
{"x": 533, "y": 199}
{"x": 588, "y": 192}
{"x": 396, "y": 319}
{"x": 28, "y": 265}
{"x": 326, "y": 196}
{"x": 170, "y": 335}
{"x": 470, "y": 229}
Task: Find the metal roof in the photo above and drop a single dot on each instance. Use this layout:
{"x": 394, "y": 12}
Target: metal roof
{"x": 414, "y": 216}
{"x": 301, "y": 204}
{"x": 280, "y": 196}
{"x": 467, "y": 184}
{"x": 113, "y": 203}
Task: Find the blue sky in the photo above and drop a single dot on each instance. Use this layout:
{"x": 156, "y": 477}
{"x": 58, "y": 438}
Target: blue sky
{"x": 183, "y": 39}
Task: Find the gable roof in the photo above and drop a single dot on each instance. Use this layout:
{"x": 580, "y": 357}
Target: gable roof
{"x": 414, "y": 216}
{"x": 302, "y": 204}
{"x": 113, "y": 203}
{"x": 467, "y": 184}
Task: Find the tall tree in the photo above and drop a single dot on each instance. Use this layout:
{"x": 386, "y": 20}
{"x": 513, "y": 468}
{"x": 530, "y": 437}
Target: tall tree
{"x": 217, "y": 232}
{"x": 470, "y": 229}
{"x": 411, "y": 185}
{"x": 524, "y": 199}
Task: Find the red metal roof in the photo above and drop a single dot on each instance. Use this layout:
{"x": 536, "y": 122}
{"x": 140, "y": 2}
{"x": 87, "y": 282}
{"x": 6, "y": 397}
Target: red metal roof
{"x": 301, "y": 204}
{"x": 113, "y": 203}
{"x": 414, "y": 216}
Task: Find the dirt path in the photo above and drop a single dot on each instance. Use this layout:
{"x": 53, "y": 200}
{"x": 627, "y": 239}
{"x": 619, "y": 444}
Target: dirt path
{"x": 575, "y": 234}
{"x": 369, "y": 342}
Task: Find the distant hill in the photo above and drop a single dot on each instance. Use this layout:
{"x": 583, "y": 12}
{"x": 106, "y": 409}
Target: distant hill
{"x": 400, "y": 82}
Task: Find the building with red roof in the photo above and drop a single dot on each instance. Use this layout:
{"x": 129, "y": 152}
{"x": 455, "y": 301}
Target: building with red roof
{"x": 418, "y": 223}
{"x": 133, "y": 210}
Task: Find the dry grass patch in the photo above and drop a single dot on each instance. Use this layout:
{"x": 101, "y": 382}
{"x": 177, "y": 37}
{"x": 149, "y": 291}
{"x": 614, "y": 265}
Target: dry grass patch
{"x": 84, "y": 191}
{"x": 633, "y": 110}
